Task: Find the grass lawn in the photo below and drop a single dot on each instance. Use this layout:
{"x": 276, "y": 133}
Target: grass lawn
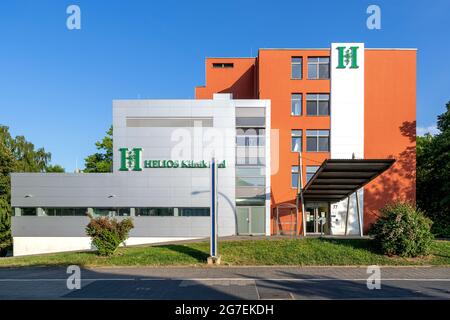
{"x": 306, "y": 252}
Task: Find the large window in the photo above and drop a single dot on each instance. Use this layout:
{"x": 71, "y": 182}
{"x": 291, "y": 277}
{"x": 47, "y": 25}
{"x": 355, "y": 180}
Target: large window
{"x": 294, "y": 176}
{"x": 310, "y": 171}
{"x": 28, "y": 212}
{"x": 250, "y": 177}
{"x": 170, "y": 212}
{"x": 318, "y": 67}
{"x": 111, "y": 212}
{"x": 317, "y": 140}
{"x": 250, "y": 146}
{"x": 65, "y": 211}
{"x": 296, "y": 140}
{"x": 318, "y": 104}
{"x": 250, "y": 137}
{"x": 296, "y": 67}
{"x": 296, "y": 104}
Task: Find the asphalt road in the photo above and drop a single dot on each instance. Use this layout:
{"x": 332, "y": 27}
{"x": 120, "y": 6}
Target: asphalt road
{"x": 225, "y": 283}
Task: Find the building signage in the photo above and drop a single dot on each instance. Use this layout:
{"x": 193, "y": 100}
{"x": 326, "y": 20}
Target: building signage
{"x": 131, "y": 159}
{"x": 347, "y": 56}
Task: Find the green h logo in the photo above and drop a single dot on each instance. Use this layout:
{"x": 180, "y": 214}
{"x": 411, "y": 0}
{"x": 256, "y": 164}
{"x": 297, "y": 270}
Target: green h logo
{"x": 130, "y": 159}
{"x": 347, "y": 56}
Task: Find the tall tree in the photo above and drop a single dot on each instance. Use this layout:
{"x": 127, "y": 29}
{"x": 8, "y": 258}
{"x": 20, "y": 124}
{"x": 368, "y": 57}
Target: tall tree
{"x": 433, "y": 175}
{"x": 16, "y": 155}
{"x": 7, "y": 165}
{"x": 101, "y": 161}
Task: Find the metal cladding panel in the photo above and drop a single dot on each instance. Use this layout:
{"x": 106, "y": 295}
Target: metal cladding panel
{"x": 143, "y": 226}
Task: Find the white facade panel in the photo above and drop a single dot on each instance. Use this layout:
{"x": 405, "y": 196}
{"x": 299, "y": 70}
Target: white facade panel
{"x": 347, "y": 100}
{"x": 347, "y": 121}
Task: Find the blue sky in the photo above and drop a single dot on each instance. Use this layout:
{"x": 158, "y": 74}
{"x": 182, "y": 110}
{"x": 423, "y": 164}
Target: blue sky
{"x": 57, "y": 85}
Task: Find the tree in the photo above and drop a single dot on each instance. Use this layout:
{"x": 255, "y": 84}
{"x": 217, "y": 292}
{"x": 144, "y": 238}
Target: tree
{"x": 7, "y": 165}
{"x": 433, "y": 175}
{"x": 54, "y": 168}
{"x": 17, "y": 155}
{"x": 101, "y": 161}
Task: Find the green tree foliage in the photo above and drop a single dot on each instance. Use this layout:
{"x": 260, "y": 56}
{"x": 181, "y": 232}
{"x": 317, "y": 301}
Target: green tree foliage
{"x": 402, "y": 230}
{"x": 108, "y": 233}
{"x": 433, "y": 175}
{"x": 54, "y": 168}
{"x": 16, "y": 155}
{"x": 7, "y": 165}
{"x": 101, "y": 161}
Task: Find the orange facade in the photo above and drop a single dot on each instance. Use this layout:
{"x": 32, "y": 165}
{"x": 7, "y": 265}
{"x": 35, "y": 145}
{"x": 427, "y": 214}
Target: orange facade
{"x": 390, "y": 126}
{"x": 390, "y": 82}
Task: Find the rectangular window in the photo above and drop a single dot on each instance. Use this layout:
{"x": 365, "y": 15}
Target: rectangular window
{"x": 296, "y": 104}
{"x": 223, "y": 65}
{"x": 170, "y": 212}
{"x": 65, "y": 211}
{"x": 28, "y": 212}
{"x": 194, "y": 212}
{"x": 310, "y": 171}
{"x": 294, "y": 176}
{"x": 318, "y": 68}
{"x": 318, "y": 140}
{"x": 296, "y": 67}
{"x": 296, "y": 140}
{"x": 318, "y": 104}
{"x": 112, "y": 212}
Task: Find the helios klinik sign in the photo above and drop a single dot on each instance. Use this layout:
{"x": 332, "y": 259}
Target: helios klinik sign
{"x": 132, "y": 160}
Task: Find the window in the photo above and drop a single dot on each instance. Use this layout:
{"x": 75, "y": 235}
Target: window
{"x": 318, "y": 67}
{"x": 223, "y": 65}
{"x": 296, "y": 140}
{"x": 111, "y": 212}
{"x": 317, "y": 140}
{"x": 250, "y": 137}
{"x": 28, "y": 212}
{"x": 194, "y": 212}
{"x": 296, "y": 104}
{"x": 65, "y": 211}
{"x": 294, "y": 176}
{"x": 296, "y": 67}
{"x": 310, "y": 171}
{"x": 318, "y": 104}
{"x": 250, "y": 177}
{"x": 250, "y": 146}
{"x": 170, "y": 212}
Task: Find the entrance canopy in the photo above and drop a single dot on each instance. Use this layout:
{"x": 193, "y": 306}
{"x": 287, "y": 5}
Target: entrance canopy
{"x": 337, "y": 179}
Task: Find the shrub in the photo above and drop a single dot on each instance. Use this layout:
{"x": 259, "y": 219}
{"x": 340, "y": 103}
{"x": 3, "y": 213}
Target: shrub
{"x": 402, "y": 230}
{"x": 108, "y": 233}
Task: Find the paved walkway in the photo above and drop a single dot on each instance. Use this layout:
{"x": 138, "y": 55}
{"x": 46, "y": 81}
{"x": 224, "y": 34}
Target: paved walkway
{"x": 226, "y": 283}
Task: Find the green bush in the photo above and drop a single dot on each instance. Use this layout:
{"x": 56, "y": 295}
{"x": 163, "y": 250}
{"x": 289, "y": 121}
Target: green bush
{"x": 108, "y": 233}
{"x": 402, "y": 230}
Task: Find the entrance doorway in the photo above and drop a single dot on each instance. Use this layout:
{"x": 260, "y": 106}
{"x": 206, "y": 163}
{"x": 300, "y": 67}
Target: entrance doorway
{"x": 251, "y": 220}
{"x": 317, "y": 217}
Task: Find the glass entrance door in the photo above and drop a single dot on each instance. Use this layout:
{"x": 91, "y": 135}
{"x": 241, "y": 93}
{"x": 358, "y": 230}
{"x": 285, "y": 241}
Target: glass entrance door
{"x": 317, "y": 218}
{"x": 251, "y": 220}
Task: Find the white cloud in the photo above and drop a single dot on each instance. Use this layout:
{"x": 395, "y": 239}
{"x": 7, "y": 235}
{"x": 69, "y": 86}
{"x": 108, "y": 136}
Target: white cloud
{"x": 430, "y": 129}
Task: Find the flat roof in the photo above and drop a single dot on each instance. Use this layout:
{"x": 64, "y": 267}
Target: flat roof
{"x": 336, "y": 179}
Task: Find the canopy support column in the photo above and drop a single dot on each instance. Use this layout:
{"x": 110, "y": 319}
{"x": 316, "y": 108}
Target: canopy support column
{"x": 300, "y": 192}
{"x": 359, "y": 214}
{"x": 346, "y": 215}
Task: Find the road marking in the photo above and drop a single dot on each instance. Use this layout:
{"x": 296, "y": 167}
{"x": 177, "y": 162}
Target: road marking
{"x": 228, "y": 279}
